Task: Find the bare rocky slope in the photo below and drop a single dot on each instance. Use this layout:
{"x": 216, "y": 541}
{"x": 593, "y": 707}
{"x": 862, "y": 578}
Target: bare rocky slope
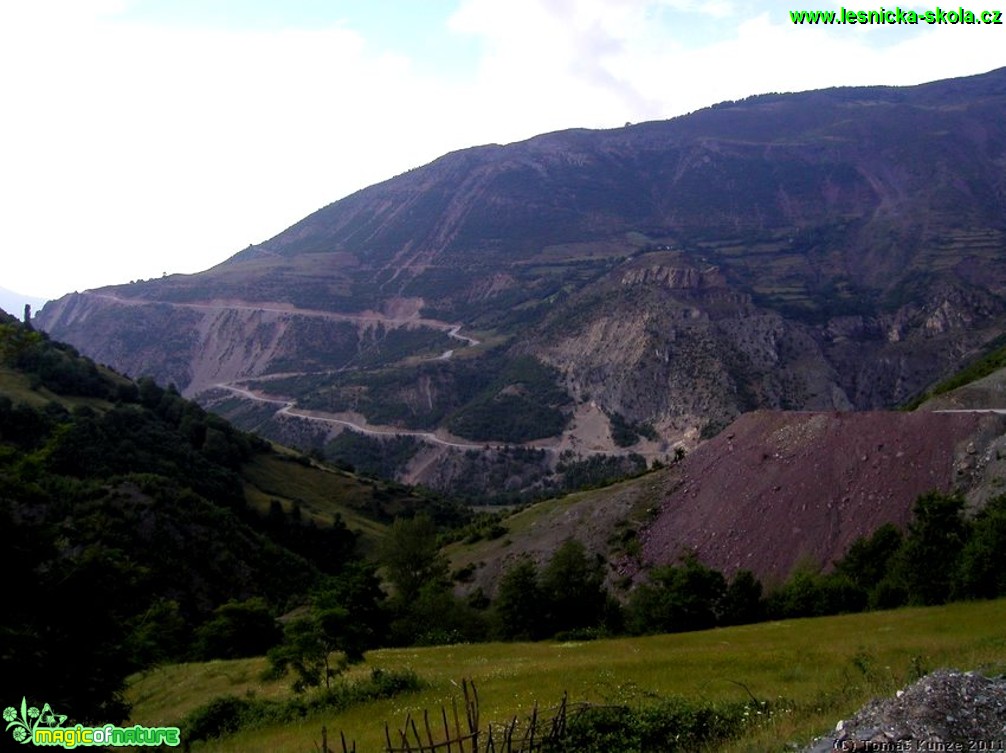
{"x": 778, "y": 489}
{"x": 837, "y": 249}
{"x": 774, "y": 491}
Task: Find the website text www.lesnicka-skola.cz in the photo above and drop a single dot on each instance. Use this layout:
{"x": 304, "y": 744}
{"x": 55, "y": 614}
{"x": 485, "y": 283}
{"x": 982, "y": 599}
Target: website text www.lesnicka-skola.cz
{"x": 898, "y": 16}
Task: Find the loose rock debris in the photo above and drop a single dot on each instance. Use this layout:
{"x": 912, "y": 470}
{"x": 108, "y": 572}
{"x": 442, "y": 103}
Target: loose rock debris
{"x": 947, "y": 710}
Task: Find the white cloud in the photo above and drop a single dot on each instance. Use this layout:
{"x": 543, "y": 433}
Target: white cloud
{"x": 136, "y": 150}
{"x": 603, "y": 62}
{"x": 128, "y": 150}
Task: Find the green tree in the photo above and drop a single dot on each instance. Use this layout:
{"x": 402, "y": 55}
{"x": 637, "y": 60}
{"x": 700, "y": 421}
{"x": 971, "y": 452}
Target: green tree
{"x": 307, "y": 650}
{"x": 343, "y": 620}
{"x": 423, "y": 608}
{"x": 349, "y": 609}
{"x": 677, "y": 598}
{"x": 438, "y": 617}
{"x": 808, "y": 593}
{"x": 926, "y": 565}
{"x": 869, "y": 558}
{"x": 47, "y": 650}
{"x": 159, "y": 634}
{"x": 572, "y": 584}
{"x": 519, "y": 611}
{"x": 742, "y": 601}
{"x": 411, "y": 557}
{"x": 238, "y": 629}
{"x": 16, "y": 341}
{"x": 982, "y": 570}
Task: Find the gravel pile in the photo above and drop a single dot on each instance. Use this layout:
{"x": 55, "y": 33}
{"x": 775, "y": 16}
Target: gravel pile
{"x": 944, "y": 711}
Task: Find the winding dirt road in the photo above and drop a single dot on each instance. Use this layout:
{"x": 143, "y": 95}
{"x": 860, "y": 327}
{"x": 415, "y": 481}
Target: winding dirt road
{"x": 288, "y": 409}
{"x": 452, "y": 329}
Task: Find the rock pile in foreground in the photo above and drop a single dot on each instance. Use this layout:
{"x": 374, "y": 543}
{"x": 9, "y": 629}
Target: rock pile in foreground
{"x": 944, "y": 711}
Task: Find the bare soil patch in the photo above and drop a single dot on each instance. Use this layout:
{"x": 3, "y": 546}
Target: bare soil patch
{"x": 778, "y": 488}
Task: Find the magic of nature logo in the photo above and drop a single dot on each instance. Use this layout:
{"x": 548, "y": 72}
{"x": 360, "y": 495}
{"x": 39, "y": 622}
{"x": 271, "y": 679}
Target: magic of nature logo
{"x": 32, "y": 725}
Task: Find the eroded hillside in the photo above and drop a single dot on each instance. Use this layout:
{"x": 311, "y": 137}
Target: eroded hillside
{"x": 775, "y": 490}
{"x": 838, "y": 249}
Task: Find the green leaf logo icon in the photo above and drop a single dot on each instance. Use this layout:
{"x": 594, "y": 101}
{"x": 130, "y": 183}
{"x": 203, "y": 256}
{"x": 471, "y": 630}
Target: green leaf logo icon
{"x": 22, "y": 725}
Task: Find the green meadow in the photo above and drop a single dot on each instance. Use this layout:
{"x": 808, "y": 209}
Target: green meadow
{"x": 812, "y": 672}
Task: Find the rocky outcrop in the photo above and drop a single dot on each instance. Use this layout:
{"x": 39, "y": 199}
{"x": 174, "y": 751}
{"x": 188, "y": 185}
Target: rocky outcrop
{"x": 674, "y": 278}
{"x": 199, "y": 345}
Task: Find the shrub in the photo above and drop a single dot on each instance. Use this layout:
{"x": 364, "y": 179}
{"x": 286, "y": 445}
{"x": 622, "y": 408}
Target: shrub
{"x": 221, "y": 716}
{"x": 228, "y": 714}
{"x": 671, "y": 725}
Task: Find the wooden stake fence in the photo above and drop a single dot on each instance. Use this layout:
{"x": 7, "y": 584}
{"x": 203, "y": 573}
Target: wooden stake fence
{"x": 512, "y": 737}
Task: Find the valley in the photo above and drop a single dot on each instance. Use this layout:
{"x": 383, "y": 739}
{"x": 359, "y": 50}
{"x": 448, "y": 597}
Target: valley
{"x": 712, "y": 376}
{"x": 734, "y": 301}
{"x": 588, "y": 433}
{"x": 356, "y": 423}
{"x": 173, "y": 506}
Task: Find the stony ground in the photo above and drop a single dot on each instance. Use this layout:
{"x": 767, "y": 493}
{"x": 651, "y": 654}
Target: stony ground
{"x": 776, "y": 489}
{"x": 944, "y": 711}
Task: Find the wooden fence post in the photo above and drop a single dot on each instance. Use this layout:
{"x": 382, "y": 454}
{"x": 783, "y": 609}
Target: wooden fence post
{"x": 411, "y": 738}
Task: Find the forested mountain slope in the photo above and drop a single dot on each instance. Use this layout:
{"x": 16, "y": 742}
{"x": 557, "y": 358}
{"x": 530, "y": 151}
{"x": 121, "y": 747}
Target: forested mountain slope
{"x": 134, "y": 525}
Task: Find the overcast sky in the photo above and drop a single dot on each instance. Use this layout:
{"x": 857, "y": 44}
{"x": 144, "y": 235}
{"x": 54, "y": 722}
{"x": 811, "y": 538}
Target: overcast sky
{"x": 139, "y": 137}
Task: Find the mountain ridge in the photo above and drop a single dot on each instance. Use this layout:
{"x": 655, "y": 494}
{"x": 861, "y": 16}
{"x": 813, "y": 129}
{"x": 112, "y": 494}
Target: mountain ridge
{"x": 834, "y": 249}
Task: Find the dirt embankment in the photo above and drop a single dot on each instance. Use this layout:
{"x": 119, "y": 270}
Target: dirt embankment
{"x": 776, "y": 489}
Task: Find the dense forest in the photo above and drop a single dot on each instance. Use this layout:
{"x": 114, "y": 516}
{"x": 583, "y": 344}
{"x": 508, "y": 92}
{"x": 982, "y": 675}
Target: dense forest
{"x": 127, "y": 538}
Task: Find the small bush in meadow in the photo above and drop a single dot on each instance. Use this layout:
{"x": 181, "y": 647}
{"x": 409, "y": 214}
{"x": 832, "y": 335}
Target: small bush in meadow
{"x": 228, "y": 714}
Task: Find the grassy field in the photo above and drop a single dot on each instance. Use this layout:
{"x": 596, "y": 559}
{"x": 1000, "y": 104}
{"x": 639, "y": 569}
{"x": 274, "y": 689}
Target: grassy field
{"x": 598, "y": 517}
{"x": 17, "y": 387}
{"x": 824, "y": 669}
{"x": 322, "y": 493}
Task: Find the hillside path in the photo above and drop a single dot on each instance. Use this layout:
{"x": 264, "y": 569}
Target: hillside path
{"x": 451, "y": 329}
{"x": 288, "y": 409}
